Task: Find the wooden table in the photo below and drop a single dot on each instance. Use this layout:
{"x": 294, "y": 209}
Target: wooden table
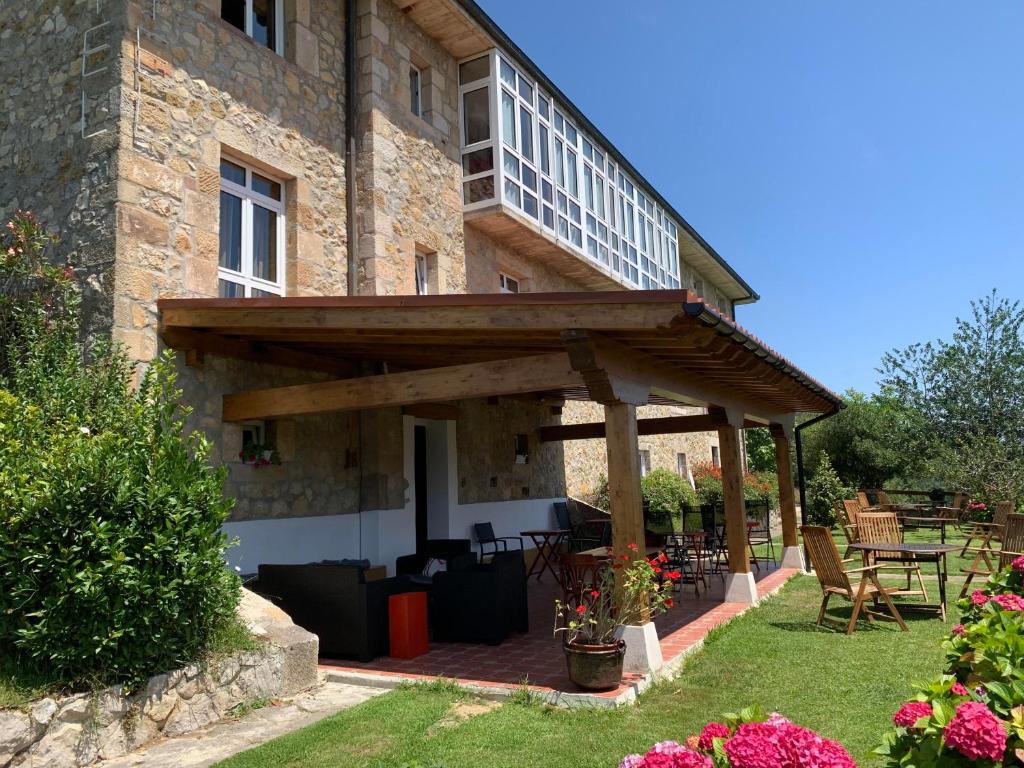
{"x": 925, "y": 553}
{"x": 547, "y": 543}
{"x": 928, "y": 522}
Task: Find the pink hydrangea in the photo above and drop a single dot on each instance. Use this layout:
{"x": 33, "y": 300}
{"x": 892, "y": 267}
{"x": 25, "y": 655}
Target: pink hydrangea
{"x": 1018, "y": 564}
{"x": 632, "y": 761}
{"x": 711, "y": 732}
{"x": 908, "y": 715}
{"x": 959, "y": 689}
{"x": 1009, "y": 602}
{"x": 978, "y": 597}
{"x": 803, "y": 748}
{"x": 670, "y": 754}
{"x": 958, "y": 629}
{"x": 976, "y": 733}
{"x": 776, "y": 719}
{"x": 755, "y": 745}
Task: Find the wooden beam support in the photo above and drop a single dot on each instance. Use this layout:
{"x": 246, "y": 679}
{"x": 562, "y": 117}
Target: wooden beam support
{"x": 787, "y": 496}
{"x": 224, "y": 346}
{"x": 732, "y": 490}
{"x": 499, "y": 377}
{"x": 667, "y": 425}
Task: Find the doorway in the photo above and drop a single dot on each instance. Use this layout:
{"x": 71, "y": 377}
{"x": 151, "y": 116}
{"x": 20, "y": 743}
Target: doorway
{"x": 430, "y": 468}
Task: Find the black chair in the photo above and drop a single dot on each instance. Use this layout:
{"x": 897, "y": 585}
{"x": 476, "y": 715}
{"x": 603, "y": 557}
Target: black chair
{"x": 485, "y": 536}
{"x": 576, "y": 542}
{"x": 759, "y": 512}
{"x": 455, "y": 552}
{"x": 482, "y": 603}
{"x": 336, "y": 603}
{"x": 660, "y": 531}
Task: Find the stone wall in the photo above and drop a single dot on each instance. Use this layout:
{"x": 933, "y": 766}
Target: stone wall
{"x": 78, "y": 730}
{"x": 46, "y": 165}
{"x": 486, "y": 257}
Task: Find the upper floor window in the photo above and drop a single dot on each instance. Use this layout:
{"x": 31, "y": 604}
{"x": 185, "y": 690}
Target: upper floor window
{"x": 682, "y": 468}
{"x": 262, "y": 20}
{"x": 415, "y": 91}
{"x": 251, "y": 232}
{"x": 507, "y": 284}
{"x": 645, "y": 463}
{"x": 716, "y": 459}
{"x": 420, "y": 266}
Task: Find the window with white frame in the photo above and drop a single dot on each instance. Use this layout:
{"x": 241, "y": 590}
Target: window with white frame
{"x": 507, "y": 283}
{"x": 415, "y": 91}
{"x": 716, "y": 459}
{"x": 262, "y": 20}
{"x": 251, "y": 232}
{"x": 682, "y": 467}
{"x": 645, "y": 463}
{"x": 420, "y": 266}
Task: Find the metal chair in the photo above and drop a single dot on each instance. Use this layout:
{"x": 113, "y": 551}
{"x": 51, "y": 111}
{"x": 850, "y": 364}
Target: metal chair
{"x": 660, "y": 531}
{"x": 835, "y": 580}
{"x": 485, "y": 536}
{"x": 576, "y": 542}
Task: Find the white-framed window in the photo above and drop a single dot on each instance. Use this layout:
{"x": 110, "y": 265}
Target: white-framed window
{"x": 716, "y": 459}
{"x": 507, "y": 283}
{"x": 251, "y": 232}
{"x": 415, "y": 91}
{"x": 682, "y": 466}
{"x": 421, "y": 274}
{"x": 262, "y": 20}
{"x": 645, "y": 463}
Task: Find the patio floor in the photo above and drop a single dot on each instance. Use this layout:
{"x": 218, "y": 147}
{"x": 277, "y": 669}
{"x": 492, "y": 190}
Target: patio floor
{"x": 535, "y": 659}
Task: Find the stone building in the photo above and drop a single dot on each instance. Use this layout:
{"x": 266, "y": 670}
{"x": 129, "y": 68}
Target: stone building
{"x": 310, "y": 148}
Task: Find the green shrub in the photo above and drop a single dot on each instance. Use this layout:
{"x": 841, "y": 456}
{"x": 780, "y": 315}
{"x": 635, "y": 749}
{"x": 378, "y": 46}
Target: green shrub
{"x": 825, "y": 492}
{"x": 111, "y": 550}
{"x": 665, "y": 492}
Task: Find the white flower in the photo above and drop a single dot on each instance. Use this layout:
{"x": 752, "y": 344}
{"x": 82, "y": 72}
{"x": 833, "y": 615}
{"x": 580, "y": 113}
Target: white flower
{"x": 84, "y": 430}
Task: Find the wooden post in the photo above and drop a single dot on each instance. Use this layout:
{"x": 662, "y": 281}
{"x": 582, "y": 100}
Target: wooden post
{"x": 791, "y": 555}
{"x": 624, "y": 493}
{"x": 740, "y": 585}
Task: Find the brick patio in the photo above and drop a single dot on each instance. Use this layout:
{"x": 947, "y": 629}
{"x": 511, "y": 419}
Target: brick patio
{"x": 535, "y": 659}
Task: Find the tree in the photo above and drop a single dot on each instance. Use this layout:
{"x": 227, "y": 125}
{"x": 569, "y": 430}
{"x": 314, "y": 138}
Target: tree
{"x": 825, "y": 492}
{"x": 760, "y": 450}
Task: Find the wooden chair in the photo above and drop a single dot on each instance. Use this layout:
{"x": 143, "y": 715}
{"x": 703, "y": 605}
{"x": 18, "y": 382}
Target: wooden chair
{"x": 846, "y": 518}
{"x": 1012, "y": 545}
{"x": 579, "y": 574}
{"x": 835, "y": 580}
{"x": 884, "y": 528}
{"x": 862, "y": 499}
{"x": 989, "y": 534}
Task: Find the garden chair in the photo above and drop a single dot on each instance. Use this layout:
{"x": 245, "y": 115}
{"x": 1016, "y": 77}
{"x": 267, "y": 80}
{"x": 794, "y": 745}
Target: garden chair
{"x": 660, "y": 531}
{"x": 884, "y": 528}
{"x": 760, "y": 533}
{"x": 589, "y": 522}
{"x": 485, "y": 537}
{"x": 835, "y": 580}
{"x": 575, "y": 541}
{"x": 579, "y": 574}
{"x": 862, "y": 499}
{"x": 1012, "y": 545}
{"x": 846, "y": 518}
{"x": 989, "y": 533}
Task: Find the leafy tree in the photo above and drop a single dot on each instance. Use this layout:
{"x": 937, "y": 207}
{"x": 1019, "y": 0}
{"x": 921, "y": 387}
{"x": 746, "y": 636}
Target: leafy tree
{"x": 760, "y": 450}
{"x": 825, "y": 491}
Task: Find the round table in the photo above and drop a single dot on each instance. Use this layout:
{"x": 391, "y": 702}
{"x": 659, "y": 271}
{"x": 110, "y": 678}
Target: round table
{"x": 927, "y": 553}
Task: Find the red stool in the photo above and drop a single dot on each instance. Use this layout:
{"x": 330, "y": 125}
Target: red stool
{"x": 407, "y": 614}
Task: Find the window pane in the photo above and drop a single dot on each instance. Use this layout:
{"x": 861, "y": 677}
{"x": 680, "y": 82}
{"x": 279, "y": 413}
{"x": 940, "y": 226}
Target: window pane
{"x": 264, "y": 22}
{"x": 542, "y": 107}
{"x": 508, "y": 74}
{"x": 264, "y": 244}
{"x": 588, "y": 186}
{"x": 230, "y": 232}
{"x": 529, "y": 177}
{"x": 256, "y": 293}
{"x": 542, "y": 149}
{"x": 526, "y": 127}
{"x": 511, "y": 165}
{"x": 474, "y": 70}
{"x": 414, "y": 91}
{"x": 525, "y": 89}
{"x": 232, "y": 172}
{"x": 233, "y": 12}
{"x": 549, "y": 218}
{"x": 478, "y": 161}
{"x": 512, "y": 192}
{"x": 559, "y": 168}
{"x": 477, "y": 116}
{"x": 570, "y": 173}
{"x": 508, "y": 119}
{"x": 530, "y": 204}
{"x": 266, "y": 187}
{"x": 478, "y": 189}
{"x": 229, "y": 290}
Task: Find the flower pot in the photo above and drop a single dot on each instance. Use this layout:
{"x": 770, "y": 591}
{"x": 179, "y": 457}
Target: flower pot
{"x": 595, "y": 667}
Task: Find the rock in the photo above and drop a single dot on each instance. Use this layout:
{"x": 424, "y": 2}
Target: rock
{"x": 16, "y": 733}
{"x": 299, "y": 649}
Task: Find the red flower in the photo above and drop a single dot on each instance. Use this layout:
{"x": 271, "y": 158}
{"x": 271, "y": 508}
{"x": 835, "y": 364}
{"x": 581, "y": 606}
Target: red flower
{"x": 673, "y": 575}
{"x": 908, "y": 715}
{"x": 662, "y": 558}
{"x": 594, "y": 593}
{"x": 976, "y": 733}
{"x": 669, "y": 602}
{"x": 633, "y": 547}
{"x": 581, "y": 609}
{"x": 657, "y": 569}
{"x": 959, "y": 689}
{"x": 978, "y": 597}
{"x": 711, "y": 732}
{"x": 959, "y": 629}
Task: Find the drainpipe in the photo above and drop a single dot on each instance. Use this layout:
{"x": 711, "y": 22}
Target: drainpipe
{"x": 352, "y": 280}
{"x": 800, "y": 466}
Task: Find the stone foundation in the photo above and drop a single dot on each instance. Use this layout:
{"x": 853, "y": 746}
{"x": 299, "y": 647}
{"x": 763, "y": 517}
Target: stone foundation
{"x": 78, "y": 730}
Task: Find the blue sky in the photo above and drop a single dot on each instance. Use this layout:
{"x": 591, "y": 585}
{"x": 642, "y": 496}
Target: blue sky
{"x": 861, "y": 164}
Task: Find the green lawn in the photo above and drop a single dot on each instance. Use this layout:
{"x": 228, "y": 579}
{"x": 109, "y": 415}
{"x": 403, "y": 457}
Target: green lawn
{"x": 773, "y": 656}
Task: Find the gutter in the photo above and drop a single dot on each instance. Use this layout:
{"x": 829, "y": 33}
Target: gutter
{"x": 352, "y": 278}
{"x": 478, "y": 15}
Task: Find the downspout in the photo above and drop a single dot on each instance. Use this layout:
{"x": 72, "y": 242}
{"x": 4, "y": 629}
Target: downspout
{"x": 800, "y": 465}
{"x": 352, "y": 280}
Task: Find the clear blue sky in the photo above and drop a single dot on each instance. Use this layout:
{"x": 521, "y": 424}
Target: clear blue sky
{"x": 861, "y": 164}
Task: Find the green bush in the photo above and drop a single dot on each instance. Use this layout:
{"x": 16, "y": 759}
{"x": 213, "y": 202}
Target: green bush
{"x": 825, "y": 492}
{"x": 665, "y": 492}
{"x": 111, "y": 550}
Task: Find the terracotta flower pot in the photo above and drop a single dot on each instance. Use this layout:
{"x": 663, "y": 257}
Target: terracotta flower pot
{"x": 595, "y": 667}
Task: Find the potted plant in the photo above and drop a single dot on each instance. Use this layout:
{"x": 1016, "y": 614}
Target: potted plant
{"x": 589, "y": 622}
{"x": 259, "y": 455}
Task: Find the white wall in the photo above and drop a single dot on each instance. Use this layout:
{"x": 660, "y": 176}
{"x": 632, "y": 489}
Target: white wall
{"x": 507, "y": 517}
{"x": 292, "y": 540}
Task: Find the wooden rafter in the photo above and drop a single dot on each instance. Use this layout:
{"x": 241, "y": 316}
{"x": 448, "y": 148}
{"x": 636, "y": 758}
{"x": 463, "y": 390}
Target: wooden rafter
{"x": 667, "y": 425}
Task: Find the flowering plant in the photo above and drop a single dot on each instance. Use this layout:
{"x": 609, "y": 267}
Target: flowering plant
{"x": 259, "y": 455}
{"x": 978, "y": 511}
{"x": 746, "y": 740}
{"x": 594, "y": 616}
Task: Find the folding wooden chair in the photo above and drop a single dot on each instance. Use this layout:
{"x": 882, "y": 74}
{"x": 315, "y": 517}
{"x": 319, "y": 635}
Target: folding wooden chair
{"x": 1012, "y": 545}
{"x": 989, "y": 533}
{"x": 835, "y": 580}
{"x": 846, "y": 518}
{"x": 884, "y": 528}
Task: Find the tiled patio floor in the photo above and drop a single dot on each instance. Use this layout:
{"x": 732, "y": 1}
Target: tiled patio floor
{"x": 535, "y": 658}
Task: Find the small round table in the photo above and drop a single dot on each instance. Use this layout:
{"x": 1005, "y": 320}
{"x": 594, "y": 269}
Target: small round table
{"x": 546, "y": 542}
{"x": 922, "y": 553}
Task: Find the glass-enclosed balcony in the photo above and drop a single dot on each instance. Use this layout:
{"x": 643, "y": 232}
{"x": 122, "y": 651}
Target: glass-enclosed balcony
{"x": 522, "y": 155}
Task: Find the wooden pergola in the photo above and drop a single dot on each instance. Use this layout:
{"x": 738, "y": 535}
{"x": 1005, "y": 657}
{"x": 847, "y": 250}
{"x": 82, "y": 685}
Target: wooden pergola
{"x": 622, "y": 349}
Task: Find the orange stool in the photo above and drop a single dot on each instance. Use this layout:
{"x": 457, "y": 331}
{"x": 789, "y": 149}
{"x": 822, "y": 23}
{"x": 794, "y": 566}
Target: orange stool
{"x": 407, "y": 614}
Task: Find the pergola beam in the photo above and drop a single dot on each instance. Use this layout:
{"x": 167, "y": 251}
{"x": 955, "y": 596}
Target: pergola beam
{"x": 668, "y": 425}
{"x": 190, "y": 341}
{"x": 499, "y": 377}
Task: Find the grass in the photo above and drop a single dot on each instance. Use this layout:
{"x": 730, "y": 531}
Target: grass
{"x": 772, "y": 656}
